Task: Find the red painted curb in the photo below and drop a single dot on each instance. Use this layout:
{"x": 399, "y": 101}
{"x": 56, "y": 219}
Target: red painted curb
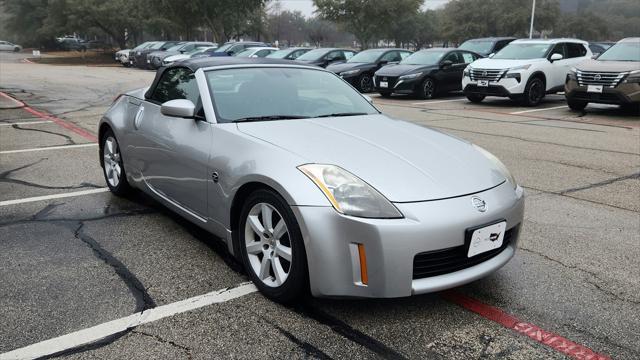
{"x": 20, "y": 103}
{"x": 533, "y": 332}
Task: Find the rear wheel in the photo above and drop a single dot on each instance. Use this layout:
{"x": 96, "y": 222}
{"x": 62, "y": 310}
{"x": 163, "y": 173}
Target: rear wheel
{"x": 427, "y": 89}
{"x": 16, "y": 49}
{"x": 577, "y": 105}
{"x": 113, "y": 166}
{"x": 475, "y": 98}
{"x": 272, "y": 248}
{"x": 533, "y": 92}
{"x": 365, "y": 83}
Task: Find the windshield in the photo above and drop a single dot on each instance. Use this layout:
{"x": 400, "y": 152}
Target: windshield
{"x": 313, "y": 54}
{"x": 622, "y": 51}
{"x": 425, "y": 57}
{"x": 483, "y": 47}
{"x": 157, "y": 45}
{"x": 523, "y": 51}
{"x": 175, "y": 47}
{"x": 224, "y": 47}
{"x": 282, "y": 93}
{"x": 280, "y": 54}
{"x": 367, "y": 56}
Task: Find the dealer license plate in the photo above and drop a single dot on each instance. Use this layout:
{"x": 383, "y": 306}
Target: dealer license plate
{"x": 487, "y": 238}
{"x": 483, "y": 83}
{"x": 594, "y": 89}
{"x": 384, "y": 84}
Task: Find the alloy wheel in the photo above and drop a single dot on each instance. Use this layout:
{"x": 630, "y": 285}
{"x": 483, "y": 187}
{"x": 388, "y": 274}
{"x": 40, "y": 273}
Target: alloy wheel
{"x": 366, "y": 84}
{"x": 427, "y": 88}
{"x": 112, "y": 161}
{"x": 535, "y": 92}
{"x": 268, "y": 244}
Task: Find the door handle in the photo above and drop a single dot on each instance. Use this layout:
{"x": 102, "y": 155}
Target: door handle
{"x": 138, "y": 119}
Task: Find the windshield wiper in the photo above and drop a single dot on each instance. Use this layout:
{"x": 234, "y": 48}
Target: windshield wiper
{"x": 342, "y": 114}
{"x": 270, "y": 117}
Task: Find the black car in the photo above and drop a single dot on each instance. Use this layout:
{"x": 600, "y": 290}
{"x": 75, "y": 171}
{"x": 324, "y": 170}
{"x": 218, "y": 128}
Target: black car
{"x": 425, "y": 73}
{"x": 324, "y": 56}
{"x": 72, "y": 44}
{"x": 232, "y": 48}
{"x": 288, "y": 54}
{"x": 156, "y": 58}
{"x": 359, "y": 70}
{"x": 598, "y": 48}
{"x": 486, "y": 46}
{"x": 139, "y": 57}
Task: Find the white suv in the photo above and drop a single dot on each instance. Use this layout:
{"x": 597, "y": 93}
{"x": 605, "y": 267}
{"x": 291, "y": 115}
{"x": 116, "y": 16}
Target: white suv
{"x": 526, "y": 69}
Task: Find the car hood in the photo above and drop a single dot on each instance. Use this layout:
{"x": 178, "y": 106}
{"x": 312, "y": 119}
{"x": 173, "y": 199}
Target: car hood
{"x": 502, "y": 63}
{"x": 338, "y": 68}
{"x": 608, "y": 66}
{"x": 401, "y": 69}
{"x": 403, "y": 161}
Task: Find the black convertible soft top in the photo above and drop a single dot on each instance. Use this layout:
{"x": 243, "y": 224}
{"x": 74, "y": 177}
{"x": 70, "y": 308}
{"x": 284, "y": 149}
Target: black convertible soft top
{"x": 204, "y": 62}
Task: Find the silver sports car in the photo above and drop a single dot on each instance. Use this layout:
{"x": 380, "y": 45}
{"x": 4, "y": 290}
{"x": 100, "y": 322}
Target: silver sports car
{"x": 309, "y": 185}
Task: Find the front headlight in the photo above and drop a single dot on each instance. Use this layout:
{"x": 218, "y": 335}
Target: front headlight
{"x": 410, "y": 76}
{"x": 521, "y": 67}
{"x": 503, "y": 169}
{"x": 633, "y": 77}
{"x": 350, "y": 72}
{"x": 467, "y": 71}
{"x": 348, "y": 194}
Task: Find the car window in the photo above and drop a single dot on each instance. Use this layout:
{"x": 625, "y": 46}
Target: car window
{"x": 453, "y": 57}
{"x": 404, "y": 54}
{"x": 391, "y": 56}
{"x": 500, "y": 45}
{"x": 348, "y": 54}
{"x": 559, "y": 49}
{"x": 296, "y": 54}
{"x": 177, "y": 83}
{"x": 468, "y": 58}
{"x": 283, "y": 92}
{"x": 575, "y": 50}
{"x": 263, "y": 53}
{"x": 335, "y": 55}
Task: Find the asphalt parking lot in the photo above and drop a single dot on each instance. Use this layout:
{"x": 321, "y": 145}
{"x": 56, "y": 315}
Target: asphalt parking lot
{"x": 75, "y": 258}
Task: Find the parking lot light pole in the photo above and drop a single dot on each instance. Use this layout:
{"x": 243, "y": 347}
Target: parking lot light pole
{"x": 533, "y": 13}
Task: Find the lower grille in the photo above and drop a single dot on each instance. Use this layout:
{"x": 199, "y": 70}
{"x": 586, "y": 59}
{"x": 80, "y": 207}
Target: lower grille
{"x": 445, "y": 261}
{"x": 390, "y": 79}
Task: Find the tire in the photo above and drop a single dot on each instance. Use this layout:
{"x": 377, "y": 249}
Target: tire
{"x": 475, "y": 98}
{"x": 533, "y": 92}
{"x": 365, "y": 83}
{"x": 577, "y": 105}
{"x": 385, "y": 94}
{"x": 427, "y": 89}
{"x": 16, "y": 49}
{"x": 113, "y": 165}
{"x": 631, "y": 108}
{"x": 278, "y": 278}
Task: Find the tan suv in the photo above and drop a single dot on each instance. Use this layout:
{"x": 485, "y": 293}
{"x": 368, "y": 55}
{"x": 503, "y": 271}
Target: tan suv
{"x": 612, "y": 78}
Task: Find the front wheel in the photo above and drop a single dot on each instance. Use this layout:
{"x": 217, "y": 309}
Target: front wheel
{"x": 16, "y": 49}
{"x": 577, "y": 105}
{"x": 365, "y": 83}
{"x": 533, "y": 92}
{"x": 272, "y": 248}
{"x": 427, "y": 89}
{"x": 113, "y": 166}
{"x": 475, "y": 98}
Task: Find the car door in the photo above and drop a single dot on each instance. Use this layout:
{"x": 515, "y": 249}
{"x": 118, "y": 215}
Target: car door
{"x": 333, "y": 57}
{"x": 4, "y": 46}
{"x": 559, "y": 68}
{"x": 174, "y": 163}
{"x": 450, "y": 77}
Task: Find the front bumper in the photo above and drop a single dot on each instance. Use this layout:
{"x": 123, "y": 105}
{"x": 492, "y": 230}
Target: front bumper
{"x": 623, "y": 94}
{"x": 391, "y": 244}
{"x": 397, "y": 85}
{"x": 505, "y": 87}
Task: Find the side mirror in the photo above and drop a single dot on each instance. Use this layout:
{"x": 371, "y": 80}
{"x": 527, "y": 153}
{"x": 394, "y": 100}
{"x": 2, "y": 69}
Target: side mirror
{"x": 178, "y": 108}
{"x": 445, "y": 64}
{"x": 491, "y": 55}
{"x": 595, "y": 56}
{"x": 556, "y": 57}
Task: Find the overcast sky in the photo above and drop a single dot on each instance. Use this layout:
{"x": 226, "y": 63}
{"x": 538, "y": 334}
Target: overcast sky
{"x": 306, "y": 6}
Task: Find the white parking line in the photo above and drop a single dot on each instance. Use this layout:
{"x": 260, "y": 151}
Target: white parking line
{"x": 437, "y": 101}
{"x": 62, "y": 147}
{"x": 54, "y": 196}
{"x": 534, "y": 110}
{"x": 27, "y": 123}
{"x": 89, "y": 335}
